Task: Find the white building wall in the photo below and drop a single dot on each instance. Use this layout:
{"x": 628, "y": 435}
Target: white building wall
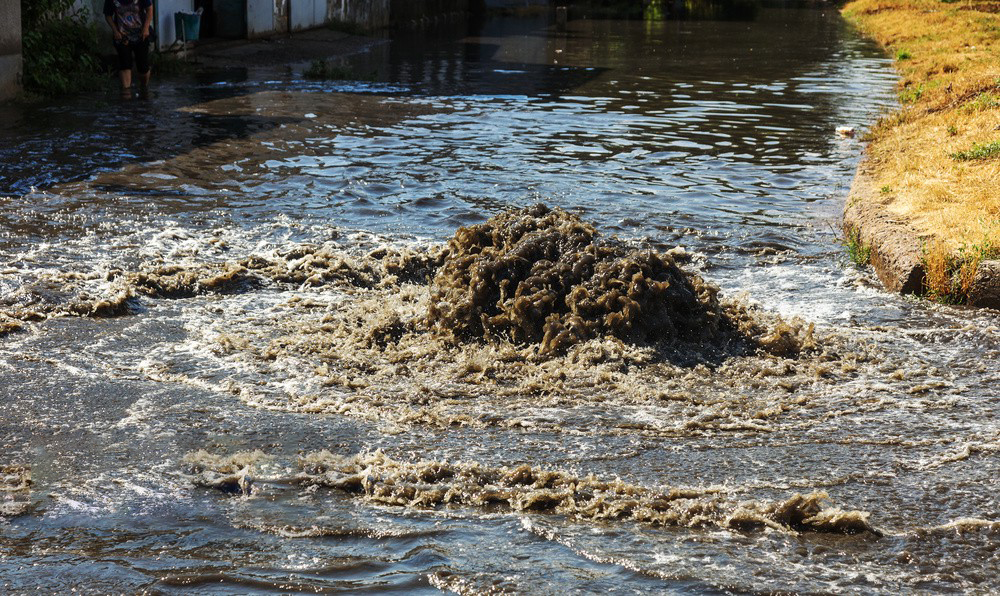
{"x": 10, "y": 49}
{"x": 266, "y": 17}
{"x": 304, "y": 13}
{"x": 163, "y": 16}
{"x": 270, "y": 17}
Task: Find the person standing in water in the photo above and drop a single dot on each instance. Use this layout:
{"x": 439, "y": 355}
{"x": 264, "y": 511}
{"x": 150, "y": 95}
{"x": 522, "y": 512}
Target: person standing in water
{"x": 130, "y": 21}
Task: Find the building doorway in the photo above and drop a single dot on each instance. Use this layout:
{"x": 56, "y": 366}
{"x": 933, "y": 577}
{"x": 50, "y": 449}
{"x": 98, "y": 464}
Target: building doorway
{"x": 225, "y": 19}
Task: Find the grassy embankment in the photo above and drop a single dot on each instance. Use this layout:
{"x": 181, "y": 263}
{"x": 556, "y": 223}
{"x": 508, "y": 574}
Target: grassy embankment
{"x": 937, "y": 160}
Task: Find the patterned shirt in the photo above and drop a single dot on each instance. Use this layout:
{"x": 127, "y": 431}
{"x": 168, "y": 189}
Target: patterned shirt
{"x": 129, "y": 15}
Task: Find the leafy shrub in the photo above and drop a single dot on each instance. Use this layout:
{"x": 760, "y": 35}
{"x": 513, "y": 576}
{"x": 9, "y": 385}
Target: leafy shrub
{"x": 61, "y": 49}
{"x": 984, "y": 101}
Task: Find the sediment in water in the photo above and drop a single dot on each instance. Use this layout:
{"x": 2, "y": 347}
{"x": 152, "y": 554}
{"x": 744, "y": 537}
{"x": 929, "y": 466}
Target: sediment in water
{"x": 366, "y": 333}
{"x": 67, "y": 294}
{"x": 15, "y": 485}
{"x": 543, "y": 276}
{"x": 532, "y": 277}
{"x": 382, "y": 480}
{"x": 369, "y": 336}
{"x": 9, "y": 325}
{"x": 117, "y": 292}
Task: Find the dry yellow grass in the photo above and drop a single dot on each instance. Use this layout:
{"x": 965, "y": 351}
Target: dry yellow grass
{"x": 948, "y": 55}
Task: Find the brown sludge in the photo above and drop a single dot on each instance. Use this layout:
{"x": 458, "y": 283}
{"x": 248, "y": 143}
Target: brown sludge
{"x": 543, "y": 276}
{"x": 432, "y": 484}
{"x": 649, "y": 347}
{"x": 15, "y": 485}
{"x": 371, "y": 336}
{"x": 115, "y": 292}
{"x": 533, "y": 276}
{"x": 67, "y": 294}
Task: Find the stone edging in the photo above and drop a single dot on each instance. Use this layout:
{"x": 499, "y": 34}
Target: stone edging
{"x": 896, "y": 247}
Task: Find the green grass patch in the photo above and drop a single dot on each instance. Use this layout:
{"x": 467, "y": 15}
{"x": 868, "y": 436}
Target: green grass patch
{"x": 859, "y": 252}
{"x": 950, "y": 276}
{"x": 983, "y": 251}
{"x": 978, "y": 151}
{"x": 984, "y": 101}
{"x": 903, "y": 55}
{"x": 911, "y": 94}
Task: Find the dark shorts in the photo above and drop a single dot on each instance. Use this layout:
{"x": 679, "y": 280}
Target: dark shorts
{"x": 141, "y": 51}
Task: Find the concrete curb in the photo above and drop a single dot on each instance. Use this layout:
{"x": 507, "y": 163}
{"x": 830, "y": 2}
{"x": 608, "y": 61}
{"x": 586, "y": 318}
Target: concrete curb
{"x": 897, "y": 247}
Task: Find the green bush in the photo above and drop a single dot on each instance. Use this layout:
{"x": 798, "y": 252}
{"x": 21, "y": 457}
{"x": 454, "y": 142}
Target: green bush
{"x": 61, "y": 49}
{"x": 911, "y": 94}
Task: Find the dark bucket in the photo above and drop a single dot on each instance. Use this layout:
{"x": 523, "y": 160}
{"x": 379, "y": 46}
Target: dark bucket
{"x": 187, "y": 25}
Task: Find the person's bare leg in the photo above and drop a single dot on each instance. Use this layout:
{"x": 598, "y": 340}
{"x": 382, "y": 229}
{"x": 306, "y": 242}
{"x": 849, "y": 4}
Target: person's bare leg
{"x": 144, "y": 84}
{"x": 126, "y": 78}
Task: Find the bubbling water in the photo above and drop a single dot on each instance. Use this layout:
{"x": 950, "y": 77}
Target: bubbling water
{"x": 543, "y": 276}
{"x": 383, "y": 480}
{"x": 15, "y": 485}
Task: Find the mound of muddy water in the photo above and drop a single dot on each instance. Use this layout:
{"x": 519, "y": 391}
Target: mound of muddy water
{"x": 543, "y": 276}
{"x": 529, "y": 320}
{"x": 524, "y": 321}
{"x": 535, "y": 279}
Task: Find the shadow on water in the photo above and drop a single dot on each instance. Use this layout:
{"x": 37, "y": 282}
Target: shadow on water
{"x": 66, "y": 140}
{"x": 658, "y": 10}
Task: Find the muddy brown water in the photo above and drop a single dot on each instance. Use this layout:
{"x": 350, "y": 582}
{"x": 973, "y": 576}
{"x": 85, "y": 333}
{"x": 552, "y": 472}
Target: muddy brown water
{"x": 212, "y": 380}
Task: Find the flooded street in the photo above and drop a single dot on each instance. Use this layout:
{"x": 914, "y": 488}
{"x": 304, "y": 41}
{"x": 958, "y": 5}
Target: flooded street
{"x": 228, "y": 363}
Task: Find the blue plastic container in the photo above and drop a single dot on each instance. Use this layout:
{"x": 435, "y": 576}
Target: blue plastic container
{"x": 187, "y": 25}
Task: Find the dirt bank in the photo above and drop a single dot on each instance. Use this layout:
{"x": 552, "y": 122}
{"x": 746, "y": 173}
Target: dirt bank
{"x": 897, "y": 250}
{"x": 924, "y": 209}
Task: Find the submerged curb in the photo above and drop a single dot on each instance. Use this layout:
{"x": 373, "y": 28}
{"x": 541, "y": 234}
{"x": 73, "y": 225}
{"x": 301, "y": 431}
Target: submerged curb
{"x": 985, "y": 289}
{"x": 897, "y": 247}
